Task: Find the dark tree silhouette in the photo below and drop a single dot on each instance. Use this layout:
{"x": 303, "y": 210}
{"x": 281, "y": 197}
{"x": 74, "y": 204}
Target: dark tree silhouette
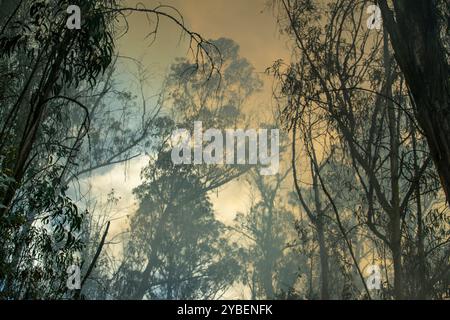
{"x": 419, "y": 33}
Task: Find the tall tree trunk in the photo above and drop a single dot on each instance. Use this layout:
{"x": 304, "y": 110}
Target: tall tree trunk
{"x": 316, "y": 219}
{"x": 37, "y": 115}
{"x": 319, "y": 223}
{"x": 394, "y": 158}
{"x": 414, "y": 31}
{"x": 421, "y": 270}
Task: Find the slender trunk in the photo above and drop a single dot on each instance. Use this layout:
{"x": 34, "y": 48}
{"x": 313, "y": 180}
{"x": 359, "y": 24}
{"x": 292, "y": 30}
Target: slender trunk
{"x": 30, "y": 135}
{"x": 324, "y": 265}
{"x": 396, "y": 250}
{"x": 394, "y": 154}
{"x": 421, "y": 270}
{"x": 395, "y": 214}
{"x": 169, "y": 284}
{"x": 316, "y": 219}
{"x": 319, "y": 222}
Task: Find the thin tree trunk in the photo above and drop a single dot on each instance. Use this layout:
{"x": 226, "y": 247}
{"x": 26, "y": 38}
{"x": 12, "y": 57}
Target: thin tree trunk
{"x": 316, "y": 220}
{"x": 324, "y": 265}
{"x": 394, "y": 154}
{"x": 421, "y": 270}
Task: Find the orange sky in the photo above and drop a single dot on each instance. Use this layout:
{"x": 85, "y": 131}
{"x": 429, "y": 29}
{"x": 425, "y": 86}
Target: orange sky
{"x": 251, "y": 23}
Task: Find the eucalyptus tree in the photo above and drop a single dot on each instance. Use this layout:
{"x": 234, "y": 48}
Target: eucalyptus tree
{"x": 419, "y": 32}
{"x": 44, "y": 123}
{"x": 265, "y": 236}
{"x": 176, "y": 248}
{"x": 40, "y": 223}
{"x": 346, "y": 76}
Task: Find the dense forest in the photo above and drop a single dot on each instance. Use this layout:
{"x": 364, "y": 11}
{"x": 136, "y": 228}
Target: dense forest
{"x": 357, "y": 210}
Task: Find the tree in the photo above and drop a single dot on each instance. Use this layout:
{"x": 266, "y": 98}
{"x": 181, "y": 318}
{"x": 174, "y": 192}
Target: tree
{"x": 347, "y": 80}
{"x": 264, "y": 237}
{"x": 177, "y": 249}
{"x": 40, "y": 224}
{"x": 419, "y": 33}
{"x": 45, "y": 67}
{"x": 179, "y": 212}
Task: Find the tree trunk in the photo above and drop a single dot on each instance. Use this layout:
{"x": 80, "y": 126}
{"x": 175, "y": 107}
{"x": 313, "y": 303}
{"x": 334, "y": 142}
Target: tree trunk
{"x": 421, "y": 270}
{"x": 395, "y": 213}
{"x": 37, "y": 113}
{"x": 396, "y": 250}
{"x": 324, "y": 266}
{"x": 415, "y": 37}
{"x": 319, "y": 223}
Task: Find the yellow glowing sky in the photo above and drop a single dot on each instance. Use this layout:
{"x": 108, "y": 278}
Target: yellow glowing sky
{"x": 251, "y": 23}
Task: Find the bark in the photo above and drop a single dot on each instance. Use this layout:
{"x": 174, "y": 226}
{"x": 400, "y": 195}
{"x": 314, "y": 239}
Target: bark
{"x": 414, "y": 31}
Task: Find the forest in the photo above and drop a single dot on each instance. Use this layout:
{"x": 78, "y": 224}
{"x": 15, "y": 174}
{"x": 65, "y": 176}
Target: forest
{"x": 353, "y": 119}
